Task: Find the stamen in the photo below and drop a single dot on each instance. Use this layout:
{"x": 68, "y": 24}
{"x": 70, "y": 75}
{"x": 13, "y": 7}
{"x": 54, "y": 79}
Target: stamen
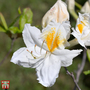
{"x": 35, "y": 47}
{"x": 46, "y": 54}
{"x": 83, "y": 23}
{"x": 31, "y": 54}
{"x": 42, "y": 46}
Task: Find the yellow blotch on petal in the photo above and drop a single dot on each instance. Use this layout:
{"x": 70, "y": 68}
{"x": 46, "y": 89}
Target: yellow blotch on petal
{"x": 53, "y": 39}
{"x": 56, "y": 43}
{"x": 81, "y": 26}
{"x": 49, "y": 39}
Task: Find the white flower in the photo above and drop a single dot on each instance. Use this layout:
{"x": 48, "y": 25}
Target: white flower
{"x": 82, "y": 31}
{"x": 45, "y": 51}
{"x": 58, "y": 12}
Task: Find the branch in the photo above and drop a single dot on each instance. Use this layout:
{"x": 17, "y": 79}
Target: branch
{"x": 71, "y": 74}
{"x": 13, "y": 39}
{"x": 80, "y": 67}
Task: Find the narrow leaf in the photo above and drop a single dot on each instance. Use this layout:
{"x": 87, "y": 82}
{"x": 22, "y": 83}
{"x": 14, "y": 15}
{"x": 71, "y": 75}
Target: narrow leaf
{"x": 2, "y": 29}
{"x": 87, "y": 72}
{"x": 88, "y": 54}
{"x": 15, "y": 20}
{"x": 3, "y": 21}
{"x": 19, "y": 10}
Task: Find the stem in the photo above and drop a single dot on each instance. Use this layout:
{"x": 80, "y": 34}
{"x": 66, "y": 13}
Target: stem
{"x": 78, "y": 5}
{"x": 8, "y": 51}
{"x": 14, "y": 21}
{"x": 80, "y": 67}
{"x": 72, "y": 43}
{"x": 71, "y": 74}
{"x": 73, "y": 13}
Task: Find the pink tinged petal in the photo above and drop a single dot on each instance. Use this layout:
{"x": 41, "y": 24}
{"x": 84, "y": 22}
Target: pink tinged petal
{"x": 31, "y": 35}
{"x": 48, "y": 71}
{"x": 66, "y": 56}
{"x": 24, "y": 58}
{"x": 58, "y": 12}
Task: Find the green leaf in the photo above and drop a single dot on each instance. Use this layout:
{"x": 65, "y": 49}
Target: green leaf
{"x": 88, "y": 54}
{"x": 3, "y": 21}
{"x": 14, "y": 30}
{"x": 19, "y": 10}
{"x": 22, "y": 21}
{"x": 87, "y": 72}
{"x": 29, "y": 15}
{"x": 15, "y": 20}
{"x": 2, "y": 29}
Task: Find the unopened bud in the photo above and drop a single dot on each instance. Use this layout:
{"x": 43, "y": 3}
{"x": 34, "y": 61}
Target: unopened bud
{"x": 71, "y": 4}
{"x": 86, "y": 7}
{"x": 58, "y": 12}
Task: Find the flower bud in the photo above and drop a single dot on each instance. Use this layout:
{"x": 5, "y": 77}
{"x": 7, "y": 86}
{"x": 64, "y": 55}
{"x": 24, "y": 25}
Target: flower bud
{"x": 86, "y": 7}
{"x": 71, "y": 4}
{"x": 58, "y": 12}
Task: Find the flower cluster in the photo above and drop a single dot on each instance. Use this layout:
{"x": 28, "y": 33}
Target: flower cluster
{"x": 46, "y": 51}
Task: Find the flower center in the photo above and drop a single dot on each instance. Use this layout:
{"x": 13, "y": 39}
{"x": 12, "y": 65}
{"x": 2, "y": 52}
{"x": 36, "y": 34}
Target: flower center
{"x": 53, "y": 39}
{"x": 81, "y": 26}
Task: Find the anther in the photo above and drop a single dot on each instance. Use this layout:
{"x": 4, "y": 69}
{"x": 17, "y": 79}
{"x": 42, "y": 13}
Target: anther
{"x": 28, "y": 50}
{"x": 35, "y": 47}
{"x": 31, "y": 54}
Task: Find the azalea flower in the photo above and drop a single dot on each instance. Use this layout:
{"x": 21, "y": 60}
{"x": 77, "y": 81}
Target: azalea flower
{"x": 82, "y": 31}
{"x": 46, "y": 51}
{"x": 58, "y": 12}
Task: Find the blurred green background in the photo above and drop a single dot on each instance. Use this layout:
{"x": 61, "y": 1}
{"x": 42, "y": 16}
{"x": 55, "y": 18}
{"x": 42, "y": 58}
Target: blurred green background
{"x": 25, "y": 78}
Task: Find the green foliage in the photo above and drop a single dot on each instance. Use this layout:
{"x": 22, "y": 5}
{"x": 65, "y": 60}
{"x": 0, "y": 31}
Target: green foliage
{"x": 88, "y": 54}
{"x": 22, "y": 21}
{"x": 87, "y": 72}
{"x": 26, "y": 17}
{"x": 19, "y": 10}
{"x": 29, "y": 15}
{"x": 2, "y": 29}
{"x": 14, "y": 30}
{"x": 23, "y": 17}
{"x": 3, "y": 21}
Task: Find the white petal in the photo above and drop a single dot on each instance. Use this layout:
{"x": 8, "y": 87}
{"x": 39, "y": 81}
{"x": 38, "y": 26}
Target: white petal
{"x": 87, "y": 43}
{"x": 31, "y": 35}
{"x": 78, "y": 37}
{"x": 66, "y": 56}
{"x": 67, "y": 26}
{"x": 48, "y": 71}
{"x": 24, "y": 58}
{"x": 62, "y": 31}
